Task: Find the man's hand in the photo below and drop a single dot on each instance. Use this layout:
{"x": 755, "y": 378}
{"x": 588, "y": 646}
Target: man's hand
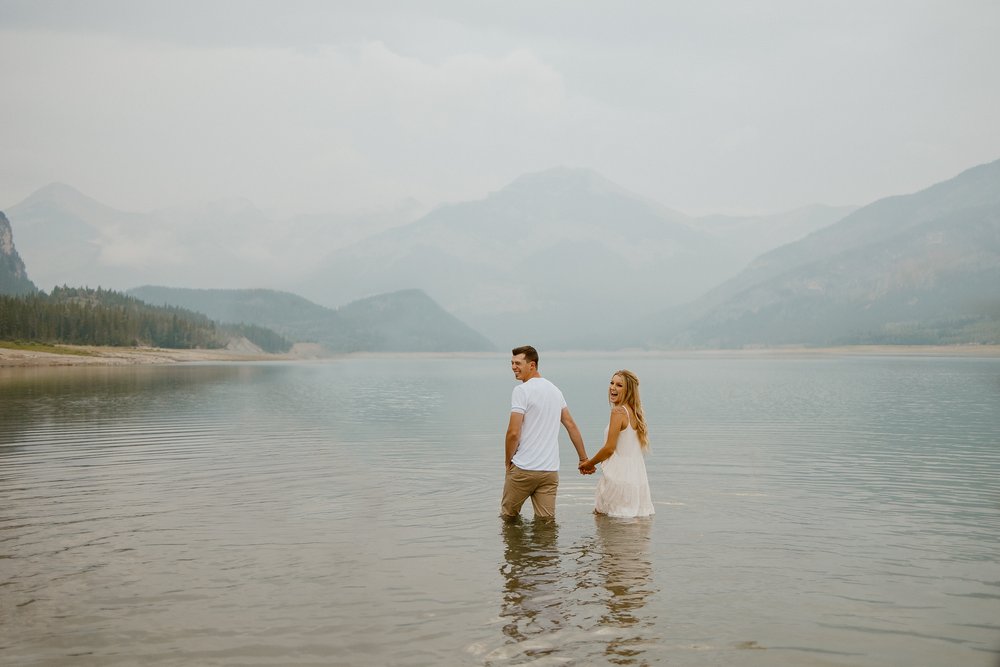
{"x": 587, "y": 468}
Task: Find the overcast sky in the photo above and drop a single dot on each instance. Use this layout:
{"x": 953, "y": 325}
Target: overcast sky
{"x": 742, "y": 106}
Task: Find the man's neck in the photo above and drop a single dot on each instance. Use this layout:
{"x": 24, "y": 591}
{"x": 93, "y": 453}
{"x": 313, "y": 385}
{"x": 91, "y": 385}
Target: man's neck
{"x": 534, "y": 375}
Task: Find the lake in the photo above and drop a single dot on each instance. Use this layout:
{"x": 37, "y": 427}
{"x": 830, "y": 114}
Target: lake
{"x": 816, "y": 510}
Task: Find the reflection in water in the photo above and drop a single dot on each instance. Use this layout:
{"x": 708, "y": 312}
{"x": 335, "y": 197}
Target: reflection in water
{"x": 532, "y": 587}
{"x": 545, "y": 589}
{"x": 626, "y": 572}
{"x": 41, "y": 408}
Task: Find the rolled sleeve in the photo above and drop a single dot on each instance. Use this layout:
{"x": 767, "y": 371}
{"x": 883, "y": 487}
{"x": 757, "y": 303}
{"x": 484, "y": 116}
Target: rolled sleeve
{"x": 518, "y": 400}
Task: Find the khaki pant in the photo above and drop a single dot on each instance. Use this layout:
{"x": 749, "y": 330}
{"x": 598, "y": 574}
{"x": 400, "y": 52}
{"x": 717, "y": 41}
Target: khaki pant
{"x": 539, "y": 485}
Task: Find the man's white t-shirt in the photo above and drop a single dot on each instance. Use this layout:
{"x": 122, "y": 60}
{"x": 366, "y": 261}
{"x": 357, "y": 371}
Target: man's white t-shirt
{"x": 542, "y": 404}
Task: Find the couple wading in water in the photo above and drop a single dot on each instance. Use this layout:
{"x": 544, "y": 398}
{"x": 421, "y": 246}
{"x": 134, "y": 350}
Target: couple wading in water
{"x": 531, "y": 458}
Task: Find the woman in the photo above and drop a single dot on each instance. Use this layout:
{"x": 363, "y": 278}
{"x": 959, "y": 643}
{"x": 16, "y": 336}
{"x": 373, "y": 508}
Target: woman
{"x": 623, "y": 490}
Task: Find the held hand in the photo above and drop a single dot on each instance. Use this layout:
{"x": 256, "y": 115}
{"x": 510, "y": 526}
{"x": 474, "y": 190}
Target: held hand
{"x": 587, "y": 468}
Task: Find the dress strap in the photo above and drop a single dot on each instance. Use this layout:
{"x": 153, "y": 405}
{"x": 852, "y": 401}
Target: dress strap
{"x": 628, "y": 416}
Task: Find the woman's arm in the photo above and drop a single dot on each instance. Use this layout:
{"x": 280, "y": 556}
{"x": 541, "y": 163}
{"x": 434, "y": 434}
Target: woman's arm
{"x": 619, "y": 418}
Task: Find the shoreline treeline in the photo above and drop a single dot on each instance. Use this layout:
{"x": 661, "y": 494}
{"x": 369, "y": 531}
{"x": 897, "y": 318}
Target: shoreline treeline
{"x": 85, "y": 316}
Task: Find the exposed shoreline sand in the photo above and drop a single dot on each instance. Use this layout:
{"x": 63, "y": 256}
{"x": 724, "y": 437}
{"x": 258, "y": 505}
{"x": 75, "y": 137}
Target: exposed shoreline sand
{"x": 117, "y": 356}
{"x": 82, "y": 355}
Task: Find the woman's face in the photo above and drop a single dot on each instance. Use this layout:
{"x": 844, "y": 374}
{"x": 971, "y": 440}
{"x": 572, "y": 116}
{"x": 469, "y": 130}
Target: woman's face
{"x": 616, "y": 390}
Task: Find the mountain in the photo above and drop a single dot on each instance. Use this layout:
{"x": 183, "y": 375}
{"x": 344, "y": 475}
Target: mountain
{"x": 919, "y": 268}
{"x": 287, "y": 314}
{"x": 70, "y": 238}
{"x": 244, "y": 241}
{"x": 557, "y": 257}
{"x": 407, "y": 321}
{"x": 758, "y": 234}
{"x": 55, "y": 236}
{"x": 564, "y": 258}
{"x": 13, "y": 276}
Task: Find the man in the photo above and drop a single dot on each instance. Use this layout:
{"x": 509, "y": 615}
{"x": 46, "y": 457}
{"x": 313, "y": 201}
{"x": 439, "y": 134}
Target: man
{"x": 531, "y": 459}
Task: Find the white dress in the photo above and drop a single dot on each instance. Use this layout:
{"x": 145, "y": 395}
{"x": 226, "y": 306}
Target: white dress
{"x": 623, "y": 490}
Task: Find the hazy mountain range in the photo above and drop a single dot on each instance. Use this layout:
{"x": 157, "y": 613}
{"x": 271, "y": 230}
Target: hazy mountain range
{"x": 405, "y": 321}
{"x": 70, "y": 238}
{"x": 919, "y": 268}
{"x": 563, "y": 259}
{"x": 555, "y": 257}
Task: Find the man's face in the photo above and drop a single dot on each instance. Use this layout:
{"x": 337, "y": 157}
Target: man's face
{"x": 521, "y": 367}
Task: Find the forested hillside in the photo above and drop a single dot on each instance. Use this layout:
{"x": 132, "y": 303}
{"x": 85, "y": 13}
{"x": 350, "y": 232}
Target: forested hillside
{"x": 82, "y": 316}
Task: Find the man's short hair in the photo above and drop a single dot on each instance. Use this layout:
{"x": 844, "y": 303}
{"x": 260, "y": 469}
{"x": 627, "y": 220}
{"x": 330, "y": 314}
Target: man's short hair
{"x": 530, "y": 353}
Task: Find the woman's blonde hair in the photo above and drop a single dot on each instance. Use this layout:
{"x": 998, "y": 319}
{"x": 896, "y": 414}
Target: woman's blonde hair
{"x": 633, "y": 401}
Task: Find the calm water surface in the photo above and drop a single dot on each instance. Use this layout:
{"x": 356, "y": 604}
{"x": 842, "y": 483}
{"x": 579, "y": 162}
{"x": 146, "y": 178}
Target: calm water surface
{"x": 825, "y": 511}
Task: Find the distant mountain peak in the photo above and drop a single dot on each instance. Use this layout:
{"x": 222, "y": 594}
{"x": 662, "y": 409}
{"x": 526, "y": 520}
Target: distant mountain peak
{"x": 59, "y": 193}
{"x": 578, "y": 188}
{"x": 563, "y": 179}
{"x": 63, "y": 197}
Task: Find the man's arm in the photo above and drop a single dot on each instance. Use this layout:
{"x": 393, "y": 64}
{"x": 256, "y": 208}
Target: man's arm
{"x": 574, "y": 434}
{"x": 513, "y": 437}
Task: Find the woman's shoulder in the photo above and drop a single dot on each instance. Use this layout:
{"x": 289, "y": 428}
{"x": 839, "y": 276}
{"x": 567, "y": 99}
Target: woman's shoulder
{"x": 622, "y": 412}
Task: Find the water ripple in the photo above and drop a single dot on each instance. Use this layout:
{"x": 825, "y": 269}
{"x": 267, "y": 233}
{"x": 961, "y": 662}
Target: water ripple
{"x": 346, "y": 513}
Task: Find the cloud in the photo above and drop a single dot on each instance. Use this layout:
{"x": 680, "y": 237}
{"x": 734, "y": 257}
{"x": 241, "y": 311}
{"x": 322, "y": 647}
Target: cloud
{"x": 706, "y": 106}
{"x": 294, "y": 129}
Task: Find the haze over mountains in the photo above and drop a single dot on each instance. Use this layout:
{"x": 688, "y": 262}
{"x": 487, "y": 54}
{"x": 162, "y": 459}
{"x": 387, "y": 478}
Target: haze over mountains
{"x": 547, "y": 258}
{"x": 919, "y": 268}
{"x": 70, "y": 238}
{"x": 554, "y": 257}
{"x": 566, "y": 259}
